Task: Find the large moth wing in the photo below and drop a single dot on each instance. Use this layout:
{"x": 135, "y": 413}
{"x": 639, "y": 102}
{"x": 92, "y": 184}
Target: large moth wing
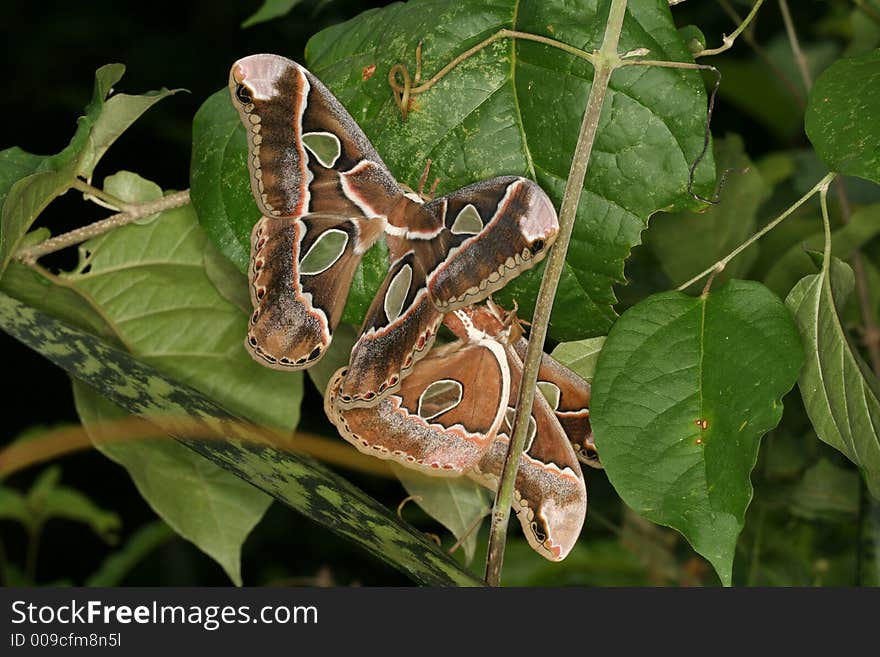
{"x": 305, "y": 151}
{"x": 569, "y": 397}
{"x": 452, "y": 251}
{"x": 398, "y": 330}
{"x": 491, "y": 232}
{"x": 443, "y": 417}
{"x": 300, "y": 273}
{"x": 550, "y": 496}
{"x": 321, "y": 187}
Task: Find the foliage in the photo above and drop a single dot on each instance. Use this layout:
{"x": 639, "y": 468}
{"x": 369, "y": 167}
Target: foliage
{"x": 691, "y": 407}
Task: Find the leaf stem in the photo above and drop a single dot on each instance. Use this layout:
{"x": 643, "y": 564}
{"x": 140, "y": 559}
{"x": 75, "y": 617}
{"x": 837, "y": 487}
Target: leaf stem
{"x": 762, "y": 53}
{"x": 133, "y": 212}
{"x": 822, "y": 184}
{"x": 728, "y": 41}
{"x": 33, "y": 550}
{"x": 605, "y": 62}
{"x": 100, "y": 197}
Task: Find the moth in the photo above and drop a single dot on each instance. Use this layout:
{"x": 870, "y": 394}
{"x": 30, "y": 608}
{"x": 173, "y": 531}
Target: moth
{"x": 453, "y": 416}
{"x": 326, "y": 197}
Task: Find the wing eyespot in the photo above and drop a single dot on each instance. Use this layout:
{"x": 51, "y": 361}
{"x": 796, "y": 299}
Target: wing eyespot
{"x": 243, "y": 94}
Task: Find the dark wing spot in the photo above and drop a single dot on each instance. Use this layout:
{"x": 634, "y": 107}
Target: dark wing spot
{"x": 243, "y": 94}
{"x": 315, "y": 353}
{"x": 537, "y": 246}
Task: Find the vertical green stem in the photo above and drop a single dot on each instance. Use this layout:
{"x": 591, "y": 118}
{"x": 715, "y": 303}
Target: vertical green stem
{"x": 606, "y": 61}
{"x": 33, "y": 550}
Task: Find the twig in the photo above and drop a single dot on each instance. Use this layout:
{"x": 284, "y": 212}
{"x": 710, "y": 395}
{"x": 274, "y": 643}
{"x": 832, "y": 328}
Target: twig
{"x": 868, "y": 10}
{"x": 101, "y": 197}
{"x": 470, "y": 530}
{"x": 605, "y": 62}
{"x": 728, "y": 41}
{"x": 403, "y": 92}
{"x": 707, "y": 134}
{"x": 749, "y": 38}
{"x": 134, "y": 212}
{"x": 766, "y": 229}
{"x": 799, "y": 56}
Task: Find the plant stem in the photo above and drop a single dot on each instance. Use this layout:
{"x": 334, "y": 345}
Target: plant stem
{"x": 766, "y": 229}
{"x": 33, "y": 550}
{"x": 605, "y": 62}
{"x": 799, "y": 56}
{"x": 133, "y": 212}
{"x": 100, "y": 196}
{"x": 728, "y": 41}
{"x": 749, "y": 38}
{"x": 869, "y": 11}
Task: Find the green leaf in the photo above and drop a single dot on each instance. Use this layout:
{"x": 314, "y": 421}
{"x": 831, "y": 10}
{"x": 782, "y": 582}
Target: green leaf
{"x": 270, "y": 9}
{"x": 458, "y": 504}
{"x": 30, "y": 182}
{"x": 841, "y": 119}
{"x": 43, "y": 290}
{"x": 70, "y": 504}
{"x": 497, "y": 113}
{"x": 684, "y": 389}
{"x": 15, "y": 164}
{"x": 140, "y": 544}
{"x": 13, "y": 506}
{"x": 580, "y": 356}
{"x": 201, "y": 501}
{"x": 219, "y": 184}
{"x": 150, "y": 283}
{"x": 296, "y": 480}
{"x": 132, "y": 188}
{"x": 826, "y": 491}
{"x": 686, "y": 243}
{"x": 47, "y": 500}
{"x": 839, "y": 391}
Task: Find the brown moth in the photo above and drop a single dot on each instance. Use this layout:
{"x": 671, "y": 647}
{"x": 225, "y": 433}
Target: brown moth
{"x": 452, "y": 415}
{"x": 326, "y": 197}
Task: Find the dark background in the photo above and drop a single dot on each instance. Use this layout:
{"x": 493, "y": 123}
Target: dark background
{"x": 51, "y": 50}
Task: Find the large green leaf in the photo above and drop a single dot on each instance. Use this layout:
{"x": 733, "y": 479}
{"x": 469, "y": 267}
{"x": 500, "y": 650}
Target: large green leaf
{"x": 840, "y": 393}
{"x": 514, "y": 108}
{"x": 842, "y": 113}
{"x": 200, "y": 500}
{"x": 150, "y": 285}
{"x": 684, "y": 389}
{"x": 686, "y": 243}
{"x": 150, "y": 282}
{"x": 298, "y": 481}
{"x": 30, "y": 182}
